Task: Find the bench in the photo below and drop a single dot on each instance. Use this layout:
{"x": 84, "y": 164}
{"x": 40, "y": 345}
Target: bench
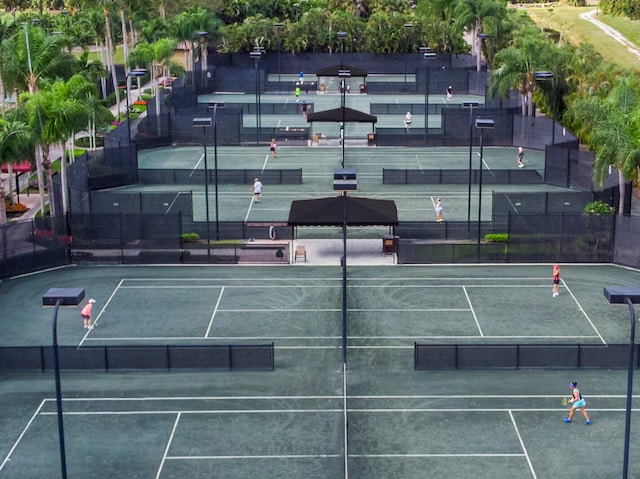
{"x": 292, "y": 133}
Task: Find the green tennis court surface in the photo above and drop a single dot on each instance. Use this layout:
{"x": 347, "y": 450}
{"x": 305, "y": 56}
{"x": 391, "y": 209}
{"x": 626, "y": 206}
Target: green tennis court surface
{"x": 291, "y": 422}
{"x": 414, "y": 202}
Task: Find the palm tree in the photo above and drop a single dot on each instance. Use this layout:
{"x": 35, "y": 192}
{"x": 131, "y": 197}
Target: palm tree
{"x": 472, "y": 14}
{"x": 29, "y": 57}
{"x": 110, "y": 64}
{"x": 514, "y": 68}
{"x": 6, "y": 25}
{"x": 15, "y": 143}
{"x": 610, "y": 126}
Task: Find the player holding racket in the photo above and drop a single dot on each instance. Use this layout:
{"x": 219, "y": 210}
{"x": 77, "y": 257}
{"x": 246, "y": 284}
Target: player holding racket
{"x": 577, "y": 401}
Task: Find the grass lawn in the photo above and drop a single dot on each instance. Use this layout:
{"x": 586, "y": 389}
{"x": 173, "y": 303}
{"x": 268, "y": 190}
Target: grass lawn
{"x": 118, "y": 55}
{"x": 567, "y": 21}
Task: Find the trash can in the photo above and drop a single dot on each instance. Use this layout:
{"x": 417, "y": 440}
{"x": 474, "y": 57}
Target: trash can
{"x": 371, "y": 139}
{"x": 389, "y": 244}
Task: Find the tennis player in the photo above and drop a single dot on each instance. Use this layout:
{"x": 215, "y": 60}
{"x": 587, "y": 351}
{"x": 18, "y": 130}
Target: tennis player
{"x": 577, "y": 401}
{"x": 86, "y": 314}
{"x": 556, "y": 280}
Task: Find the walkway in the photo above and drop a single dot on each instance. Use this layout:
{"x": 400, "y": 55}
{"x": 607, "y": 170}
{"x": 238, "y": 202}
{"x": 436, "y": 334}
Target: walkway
{"x": 32, "y": 201}
{"x": 616, "y": 35}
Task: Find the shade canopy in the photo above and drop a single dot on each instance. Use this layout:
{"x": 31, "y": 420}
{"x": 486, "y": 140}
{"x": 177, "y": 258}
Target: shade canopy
{"x": 330, "y": 212}
{"x": 337, "y": 115}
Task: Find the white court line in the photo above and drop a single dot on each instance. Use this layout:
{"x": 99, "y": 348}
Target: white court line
{"x": 275, "y": 456}
{"x": 193, "y": 170}
{"x": 419, "y": 165}
{"x": 584, "y": 312}
{"x": 24, "y": 431}
{"x": 213, "y": 313}
{"x": 264, "y": 165}
{"x": 246, "y": 218}
{"x": 486, "y": 166}
{"x": 473, "y": 312}
{"x": 166, "y": 449}
{"x": 196, "y": 411}
{"x": 339, "y": 397}
{"x": 86, "y": 334}
{"x": 524, "y": 448}
{"x": 173, "y": 202}
{"x": 315, "y": 338}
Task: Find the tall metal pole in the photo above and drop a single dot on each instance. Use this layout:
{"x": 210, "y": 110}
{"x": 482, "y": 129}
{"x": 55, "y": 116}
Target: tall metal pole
{"x": 428, "y": 55}
{"x": 343, "y": 125}
{"x": 631, "y": 365}
{"x": 56, "y": 367}
{"x": 278, "y": 25}
{"x": 128, "y": 116}
{"x": 344, "y": 279}
{"x": 480, "y": 194}
{"x": 470, "y": 105}
{"x": 553, "y": 111}
{"x": 215, "y": 166}
{"x": 206, "y": 192}
{"x": 256, "y": 54}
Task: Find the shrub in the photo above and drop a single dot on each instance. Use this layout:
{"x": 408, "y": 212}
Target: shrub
{"x": 190, "y": 237}
{"x": 16, "y": 209}
{"x": 497, "y": 237}
{"x": 599, "y": 207}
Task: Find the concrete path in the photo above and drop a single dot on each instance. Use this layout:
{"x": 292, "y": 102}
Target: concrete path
{"x": 616, "y": 35}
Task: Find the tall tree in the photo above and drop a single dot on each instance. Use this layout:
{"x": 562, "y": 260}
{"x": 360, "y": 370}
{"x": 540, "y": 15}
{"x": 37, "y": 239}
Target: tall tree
{"x": 15, "y": 143}
{"x": 610, "y": 126}
{"x": 472, "y": 14}
{"x": 514, "y": 68}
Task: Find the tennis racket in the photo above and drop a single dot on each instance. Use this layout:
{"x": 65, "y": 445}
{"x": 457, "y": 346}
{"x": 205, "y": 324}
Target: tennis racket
{"x": 565, "y": 401}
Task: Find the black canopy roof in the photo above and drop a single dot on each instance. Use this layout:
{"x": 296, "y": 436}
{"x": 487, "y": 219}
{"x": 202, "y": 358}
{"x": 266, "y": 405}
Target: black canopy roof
{"x": 337, "y": 115}
{"x": 333, "y": 71}
{"x": 330, "y": 212}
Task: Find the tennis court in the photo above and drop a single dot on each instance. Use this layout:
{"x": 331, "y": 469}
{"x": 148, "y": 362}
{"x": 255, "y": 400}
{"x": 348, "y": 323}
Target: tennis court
{"x": 291, "y": 422}
{"x": 415, "y": 202}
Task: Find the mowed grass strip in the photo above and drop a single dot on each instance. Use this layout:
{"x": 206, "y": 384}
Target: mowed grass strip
{"x": 577, "y": 30}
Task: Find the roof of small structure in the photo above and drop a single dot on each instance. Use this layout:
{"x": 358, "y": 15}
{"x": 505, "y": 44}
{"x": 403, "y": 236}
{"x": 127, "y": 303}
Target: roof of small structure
{"x": 334, "y": 70}
{"x": 330, "y": 212}
{"x": 338, "y": 115}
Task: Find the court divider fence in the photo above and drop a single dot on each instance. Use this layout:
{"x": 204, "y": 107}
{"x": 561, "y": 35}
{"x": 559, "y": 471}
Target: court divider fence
{"x": 521, "y": 356}
{"x": 459, "y": 177}
{"x": 225, "y": 176}
{"x": 233, "y": 357}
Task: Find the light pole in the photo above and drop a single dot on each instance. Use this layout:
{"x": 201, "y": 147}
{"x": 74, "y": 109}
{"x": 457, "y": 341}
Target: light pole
{"x": 470, "y": 105}
{"x": 343, "y": 75}
{"x": 256, "y": 55}
{"x": 278, "y": 26}
{"x": 406, "y": 27}
{"x": 483, "y": 37}
{"x": 60, "y": 297}
{"x": 626, "y": 295}
{"x": 428, "y": 55}
{"x": 203, "y": 54}
{"x": 215, "y": 106}
{"x": 544, "y": 76}
{"x": 135, "y": 73}
{"x": 344, "y": 179}
{"x": 482, "y": 124}
{"x": 205, "y": 123}
{"x": 341, "y": 36}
